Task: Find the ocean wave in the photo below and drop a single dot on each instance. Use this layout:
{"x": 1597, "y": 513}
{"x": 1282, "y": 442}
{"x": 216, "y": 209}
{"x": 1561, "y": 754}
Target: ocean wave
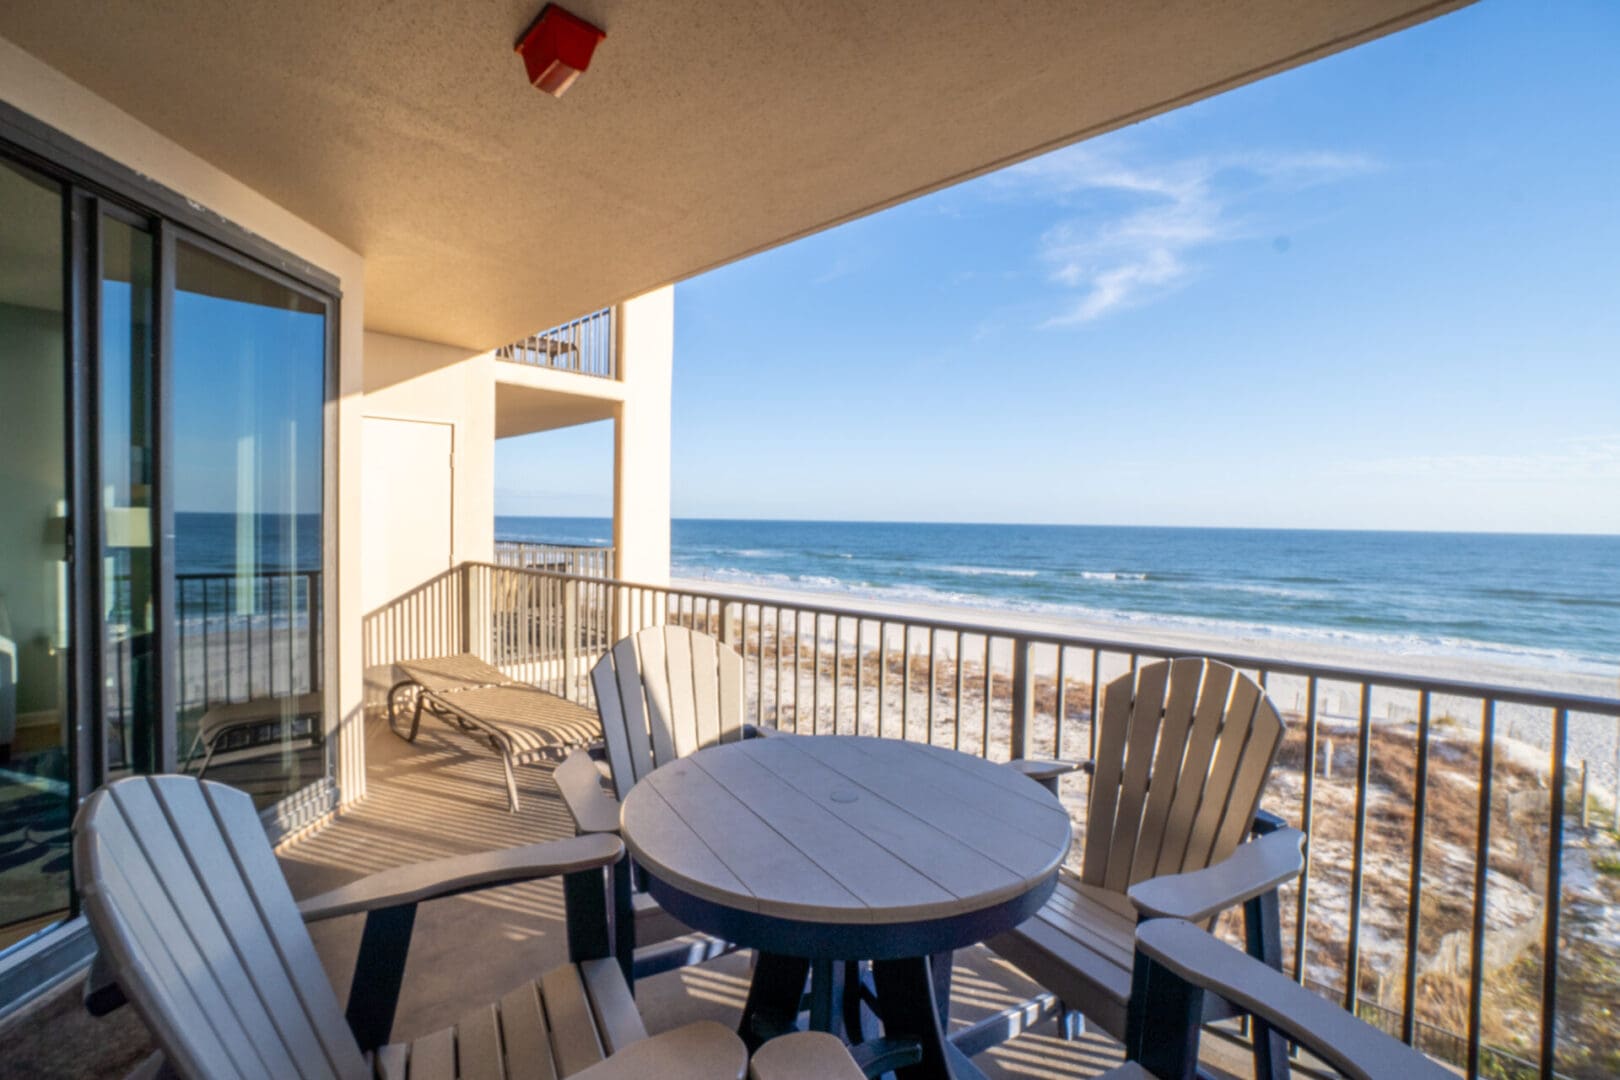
{"x": 1386, "y": 643}
{"x": 983, "y": 571}
{"x": 1112, "y": 575}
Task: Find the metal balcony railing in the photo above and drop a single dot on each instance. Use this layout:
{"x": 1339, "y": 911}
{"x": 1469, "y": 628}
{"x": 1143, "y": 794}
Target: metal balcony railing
{"x": 587, "y": 561}
{"x": 1448, "y": 895}
{"x": 585, "y": 346}
{"x": 235, "y": 638}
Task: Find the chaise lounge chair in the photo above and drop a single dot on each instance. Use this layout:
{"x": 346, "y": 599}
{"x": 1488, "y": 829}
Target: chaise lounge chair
{"x": 261, "y": 724}
{"x": 520, "y": 722}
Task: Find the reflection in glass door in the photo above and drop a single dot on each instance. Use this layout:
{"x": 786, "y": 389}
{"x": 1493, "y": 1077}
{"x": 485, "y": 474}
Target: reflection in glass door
{"x": 34, "y": 601}
{"x": 129, "y": 576}
{"x": 248, "y": 390}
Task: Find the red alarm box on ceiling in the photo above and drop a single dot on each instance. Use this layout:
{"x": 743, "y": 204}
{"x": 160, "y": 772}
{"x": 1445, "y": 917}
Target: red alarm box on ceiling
{"x": 556, "y": 48}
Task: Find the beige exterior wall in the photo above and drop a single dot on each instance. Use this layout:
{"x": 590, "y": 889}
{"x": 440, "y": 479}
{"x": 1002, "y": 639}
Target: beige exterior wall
{"x": 641, "y": 436}
{"x": 407, "y": 379}
{"x": 54, "y": 99}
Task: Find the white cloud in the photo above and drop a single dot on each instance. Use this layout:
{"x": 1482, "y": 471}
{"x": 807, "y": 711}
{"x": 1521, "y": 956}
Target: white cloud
{"x": 1595, "y": 457}
{"x": 1137, "y": 229}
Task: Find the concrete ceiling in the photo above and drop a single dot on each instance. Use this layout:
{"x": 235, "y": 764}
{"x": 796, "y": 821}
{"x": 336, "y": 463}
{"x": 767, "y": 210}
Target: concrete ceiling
{"x": 703, "y": 132}
{"x": 523, "y": 410}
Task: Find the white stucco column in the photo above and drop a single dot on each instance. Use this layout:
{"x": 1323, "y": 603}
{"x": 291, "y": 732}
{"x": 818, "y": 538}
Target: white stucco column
{"x": 646, "y": 352}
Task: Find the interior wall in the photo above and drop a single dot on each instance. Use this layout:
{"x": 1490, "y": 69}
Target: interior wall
{"x": 51, "y": 97}
{"x": 32, "y": 467}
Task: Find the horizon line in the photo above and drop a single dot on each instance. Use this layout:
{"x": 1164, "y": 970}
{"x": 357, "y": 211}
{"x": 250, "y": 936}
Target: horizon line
{"x": 1092, "y": 525}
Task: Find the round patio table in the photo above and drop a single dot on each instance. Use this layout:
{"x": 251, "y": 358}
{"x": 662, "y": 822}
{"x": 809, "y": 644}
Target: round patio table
{"x": 822, "y": 852}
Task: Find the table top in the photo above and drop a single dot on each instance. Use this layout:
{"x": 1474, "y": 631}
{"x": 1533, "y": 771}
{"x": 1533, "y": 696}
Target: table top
{"x": 845, "y": 829}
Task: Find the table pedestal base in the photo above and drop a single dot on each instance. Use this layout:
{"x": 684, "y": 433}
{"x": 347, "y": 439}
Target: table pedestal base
{"x": 913, "y": 1003}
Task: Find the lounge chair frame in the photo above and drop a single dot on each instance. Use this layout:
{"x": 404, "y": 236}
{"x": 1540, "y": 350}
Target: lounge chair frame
{"x": 520, "y": 722}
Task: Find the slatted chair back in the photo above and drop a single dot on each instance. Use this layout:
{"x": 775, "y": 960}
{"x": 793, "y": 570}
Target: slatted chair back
{"x": 664, "y": 692}
{"x": 1183, "y": 750}
{"x": 194, "y": 919}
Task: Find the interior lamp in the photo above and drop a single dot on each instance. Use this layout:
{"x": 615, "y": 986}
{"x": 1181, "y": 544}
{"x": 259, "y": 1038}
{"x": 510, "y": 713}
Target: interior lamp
{"x": 556, "y": 48}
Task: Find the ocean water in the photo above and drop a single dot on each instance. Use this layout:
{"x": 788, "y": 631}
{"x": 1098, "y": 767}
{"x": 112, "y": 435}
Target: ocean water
{"x": 206, "y": 543}
{"x": 1542, "y": 601}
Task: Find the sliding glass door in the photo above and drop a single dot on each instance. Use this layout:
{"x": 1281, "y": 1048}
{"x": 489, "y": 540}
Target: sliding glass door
{"x": 35, "y": 636}
{"x": 248, "y": 389}
{"x": 163, "y": 406}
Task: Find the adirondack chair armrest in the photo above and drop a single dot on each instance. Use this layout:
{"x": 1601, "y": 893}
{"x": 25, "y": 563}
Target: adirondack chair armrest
{"x": 702, "y": 1050}
{"x": 805, "y": 1055}
{"x": 410, "y": 885}
{"x": 1046, "y": 773}
{"x": 1182, "y": 958}
{"x": 582, "y": 781}
{"x": 1047, "y": 770}
{"x": 1266, "y": 823}
{"x": 1256, "y": 867}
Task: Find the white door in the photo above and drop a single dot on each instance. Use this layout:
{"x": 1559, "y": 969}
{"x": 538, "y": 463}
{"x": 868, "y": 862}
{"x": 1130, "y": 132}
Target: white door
{"x": 406, "y": 498}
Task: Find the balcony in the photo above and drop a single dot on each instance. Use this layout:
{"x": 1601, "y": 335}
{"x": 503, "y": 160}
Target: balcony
{"x": 1455, "y": 892}
{"x": 585, "y": 346}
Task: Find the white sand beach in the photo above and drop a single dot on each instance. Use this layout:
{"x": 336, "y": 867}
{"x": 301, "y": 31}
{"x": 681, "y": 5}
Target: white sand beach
{"x": 1592, "y": 739}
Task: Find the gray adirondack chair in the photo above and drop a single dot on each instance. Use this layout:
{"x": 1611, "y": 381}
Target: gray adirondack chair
{"x": 663, "y": 692}
{"x": 1181, "y": 965}
{"x": 1183, "y": 752}
{"x": 196, "y": 926}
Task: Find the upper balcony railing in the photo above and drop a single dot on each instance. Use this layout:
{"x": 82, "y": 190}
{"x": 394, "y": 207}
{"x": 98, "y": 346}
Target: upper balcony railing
{"x": 1455, "y": 893}
{"x": 585, "y": 346}
{"x": 586, "y": 561}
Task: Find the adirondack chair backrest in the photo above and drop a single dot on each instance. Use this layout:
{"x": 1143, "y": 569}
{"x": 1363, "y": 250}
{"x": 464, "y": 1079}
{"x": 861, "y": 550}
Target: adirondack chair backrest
{"x": 664, "y": 692}
{"x": 190, "y": 909}
{"x": 1183, "y": 750}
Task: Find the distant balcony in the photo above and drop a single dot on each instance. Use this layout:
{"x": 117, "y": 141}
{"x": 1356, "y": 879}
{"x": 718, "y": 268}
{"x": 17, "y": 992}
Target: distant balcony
{"x": 586, "y": 561}
{"x": 584, "y": 346}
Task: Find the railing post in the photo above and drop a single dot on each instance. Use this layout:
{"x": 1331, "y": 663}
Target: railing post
{"x": 1023, "y": 700}
{"x": 1586, "y": 811}
{"x": 312, "y": 643}
{"x": 466, "y": 607}
{"x": 570, "y": 636}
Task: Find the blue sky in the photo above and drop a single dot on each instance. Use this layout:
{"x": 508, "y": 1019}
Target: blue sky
{"x": 248, "y": 386}
{"x": 1380, "y": 291}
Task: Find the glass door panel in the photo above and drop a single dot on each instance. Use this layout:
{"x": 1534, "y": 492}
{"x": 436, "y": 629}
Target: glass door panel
{"x": 129, "y": 696}
{"x": 34, "y": 625}
{"x": 249, "y": 380}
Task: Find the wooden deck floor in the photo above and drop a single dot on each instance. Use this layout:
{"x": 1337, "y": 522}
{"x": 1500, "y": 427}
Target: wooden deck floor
{"x": 444, "y": 795}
